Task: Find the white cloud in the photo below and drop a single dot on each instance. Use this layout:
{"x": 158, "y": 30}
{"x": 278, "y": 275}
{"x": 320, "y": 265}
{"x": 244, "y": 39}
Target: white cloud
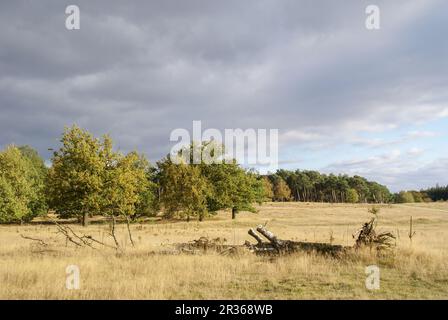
{"x": 396, "y": 169}
{"x": 415, "y": 151}
{"x": 420, "y": 134}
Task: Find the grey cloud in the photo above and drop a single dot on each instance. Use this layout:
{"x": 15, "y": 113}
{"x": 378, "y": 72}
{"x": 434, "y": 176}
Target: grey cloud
{"x": 140, "y": 69}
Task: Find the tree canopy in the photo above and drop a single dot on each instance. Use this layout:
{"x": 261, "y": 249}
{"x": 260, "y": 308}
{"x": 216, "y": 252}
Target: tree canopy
{"x": 21, "y": 184}
{"x": 313, "y": 186}
{"x": 219, "y": 185}
{"x": 88, "y": 177}
{"x": 437, "y": 193}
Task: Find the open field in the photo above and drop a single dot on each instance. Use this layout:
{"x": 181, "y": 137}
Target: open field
{"x": 31, "y": 271}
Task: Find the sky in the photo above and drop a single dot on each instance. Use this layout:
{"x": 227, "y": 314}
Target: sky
{"x": 345, "y": 99}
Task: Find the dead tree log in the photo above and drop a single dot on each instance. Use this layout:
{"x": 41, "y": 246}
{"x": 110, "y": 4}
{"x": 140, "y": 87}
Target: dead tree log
{"x": 270, "y": 236}
{"x": 277, "y": 246}
{"x": 324, "y": 248}
{"x": 256, "y": 236}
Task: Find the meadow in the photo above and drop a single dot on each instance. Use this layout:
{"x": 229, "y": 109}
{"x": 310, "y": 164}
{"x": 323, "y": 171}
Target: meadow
{"x": 417, "y": 270}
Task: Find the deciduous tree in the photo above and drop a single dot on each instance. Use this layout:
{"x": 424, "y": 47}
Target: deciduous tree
{"x": 18, "y": 192}
{"x": 184, "y": 190}
{"x": 76, "y": 178}
{"x": 352, "y": 196}
{"x": 281, "y": 190}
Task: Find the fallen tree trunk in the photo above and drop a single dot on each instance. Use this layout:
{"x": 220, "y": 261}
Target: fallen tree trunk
{"x": 270, "y": 236}
{"x": 325, "y": 248}
{"x": 277, "y": 246}
{"x": 273, "y": 246}
{"x": 255, "y": 235}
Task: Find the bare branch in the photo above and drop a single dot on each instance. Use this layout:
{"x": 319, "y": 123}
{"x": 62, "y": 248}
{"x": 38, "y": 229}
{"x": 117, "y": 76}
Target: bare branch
{"x": 34, "y": 239}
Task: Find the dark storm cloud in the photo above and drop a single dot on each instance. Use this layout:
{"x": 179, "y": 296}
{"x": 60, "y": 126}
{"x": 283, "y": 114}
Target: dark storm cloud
{"x": 139, "y": 69}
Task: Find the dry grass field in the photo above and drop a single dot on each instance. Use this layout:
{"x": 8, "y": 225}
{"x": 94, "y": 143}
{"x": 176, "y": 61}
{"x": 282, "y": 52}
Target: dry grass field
{"x": 418, "y": 271}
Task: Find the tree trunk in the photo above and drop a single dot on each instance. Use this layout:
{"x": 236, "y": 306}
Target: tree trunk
{"x": 270, "y": 236}
{"x": 112, "y": 233}
{"x": 234, "y": 211}
{"x": 256, "y": 236}
{"x": 129, "y": 231}
{"x": 85, "y": 219}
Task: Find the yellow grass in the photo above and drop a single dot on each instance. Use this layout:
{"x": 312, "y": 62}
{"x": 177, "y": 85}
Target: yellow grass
{"x": 30, "y": 271}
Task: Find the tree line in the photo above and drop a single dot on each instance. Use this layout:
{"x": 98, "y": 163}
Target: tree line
{"x": 437, "y": 193}
{"x": 89, "y": 177}
{"x": 313, "y": 186}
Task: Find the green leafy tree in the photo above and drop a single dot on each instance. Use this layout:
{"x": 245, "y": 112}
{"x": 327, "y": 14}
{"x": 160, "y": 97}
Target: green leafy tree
{"x": 148, "y": 204}
{"x": 33, "y": 156}
{"x": 232, "y": 187}
{"x": 38, "y": 174}
{"x": 268, "y": 189}
{"x": 224, "y": 184}
{"x": 18, "y": 193}
{"x": 436, "y": 193}
{"x": 360, "y": 185}
{"x": 352, "y": 196}
{"x": 281, "y": 190}
{"x": 184, "y": 190}
{"x": 425, "y": 196}
{"x": 418, "y": 196}
{"x": 314, "y": 186}
{"x": 229, "y": 185}
{"x": 76, "y": 178}
{"x": 125, "y": 181}
{"x": 404, "y": 197}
